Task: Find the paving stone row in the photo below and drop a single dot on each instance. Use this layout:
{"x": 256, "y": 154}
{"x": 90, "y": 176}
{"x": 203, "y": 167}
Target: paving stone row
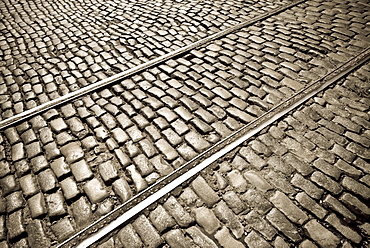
{"x": 48, "y": 50}
{"x": 302, "y": 182}
{"x": 67, "y": 167}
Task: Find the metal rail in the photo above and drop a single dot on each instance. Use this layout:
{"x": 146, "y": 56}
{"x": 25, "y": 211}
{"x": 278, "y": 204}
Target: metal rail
{"x": 122, "y": 75}
{"x": 203, "y": 160}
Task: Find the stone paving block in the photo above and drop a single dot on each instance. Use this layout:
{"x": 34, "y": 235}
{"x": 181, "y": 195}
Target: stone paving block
{"x": 12, "y": 135}
{"x": 358, "y": 139}
{"x": 359, "y": 150}
{"x": 257, "y": 180}
{"x": 186, "y": 152}
{"x": 252, "y": 158}
{"x": 260, "y": 148}
{"x": 47, "y": 180}
{"x": 132, "y": 149}
{"x": 278, "y": 164}
{"x": 280, "y": 222}
{"x": 39, "y": 163}
{"x": 257, "y": 201}
{"x": 188, "y": 197}
{"x": 134, "y": 133}
{"x": 29, "y": 185}
{"x": 320, "y": 234}
{"x": 148, "y": 147}
{"x": 69, "y": 188}
{"x": 161, "y": 165}
{"x": 347, "y": 169}
{"x": 204, "y": 191}
{"x": 55, "y": 203}
{"x": 82, "y": 213}
{"x": 297, "y": 149}
{"x": 4, "y": 168}
{"x": 28, "y": 136}
{"x": 343, "y": 153}
{"x": 200, "y": 238}
{"x": 338, "y": 207}
{"x": 237, "y": 113}
{"x": 234, "y": 202}
{"x": 255, "y": 240}
{"x": 346, "y": 231}
{"x": 175, "y": 209}
{"x": 225, "y": 214}
{"x": 60, "y": 167}
{"x": 280, "y": 182}
{"x": 140, "y": 183}
{"x": 196, "y": 141}
{"x": 161, "y": 219}
{"x": 206, "y": 219}
{"x": 33, "y": 149}
{"x": 81, "y": 171}
{"x": 36, "y": 235}
{"x": 356, "y": 187}
{"x": 311, "y": 205}
{"x": 72, "y": 152}
{"x": 101, "y": 133}
{"x": 122, "y": 157}
{"x": 143, "y": 164}
{"x": 108, "y": 171}
{"x": 347, "y": 124}
{"x": 279, "y": 242}
{"x": 258, "y": 223}
{"x": 62, "y": 228}
{"x": 58, "y": 125}
{"x": 95, "y": 190}
{"x": 8, "y": 184}
{"x": 310, "y": 188}
{"x": 147, "y": 232}
{"x": 176, "y": 239}
{"x": 18, "y": 152}
{"x": 77, "y": 127}
{"x": 15, "y": 225}
{"x": 119, "y": 135}
{"x": 14, "y": 201}
{"x": 355, "y": 204}
{"x": 287, "y": 207}
{"x": 307, "y": 244}
{"x": 326, "y": 182}
{"x": 122, "y": 189}
{"x": 362, "y": 164}
{"x": 169, "y": 152}
{"x": 37, "y": 205}
{"x": 89, "y": 142}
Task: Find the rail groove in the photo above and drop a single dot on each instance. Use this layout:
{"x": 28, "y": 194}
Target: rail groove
{"x": 122, "y": 75}
{"x": 135, "y": 205}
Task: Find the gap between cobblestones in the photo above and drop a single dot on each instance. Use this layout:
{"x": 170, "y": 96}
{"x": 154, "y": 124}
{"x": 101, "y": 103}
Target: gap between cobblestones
{"x": 220, "y": 149}
{"x": 120, "y": 76}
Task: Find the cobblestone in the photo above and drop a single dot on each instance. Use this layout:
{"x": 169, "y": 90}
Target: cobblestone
{"x": 235, "y": 79}
{"x": 321, "y": 235}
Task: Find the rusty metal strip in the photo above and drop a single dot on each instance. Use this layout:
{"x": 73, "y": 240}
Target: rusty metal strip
{"x": 122, "y": 75}
{"x": 191, "y": 168}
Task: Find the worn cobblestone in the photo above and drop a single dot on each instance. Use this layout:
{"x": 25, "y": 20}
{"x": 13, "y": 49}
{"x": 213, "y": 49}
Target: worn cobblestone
{"x": 229, "y": 81}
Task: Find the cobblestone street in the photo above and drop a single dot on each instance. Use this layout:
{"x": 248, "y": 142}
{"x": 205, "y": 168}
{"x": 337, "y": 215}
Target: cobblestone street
{"x": 303, "y": 181}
